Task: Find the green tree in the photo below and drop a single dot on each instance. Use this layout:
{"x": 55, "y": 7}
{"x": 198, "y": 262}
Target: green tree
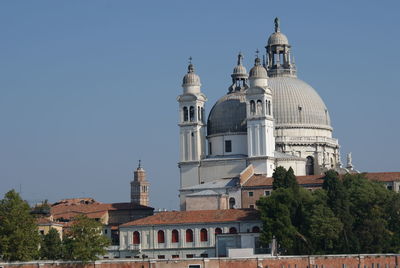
{"x": 19, "y": 237}
{"x": 323, "y": 228}
{"x": 279, "y": 178}
{"x": 369, "y": 202}
{"x": 51, "y": 247}
{"x": 85, "y": 241}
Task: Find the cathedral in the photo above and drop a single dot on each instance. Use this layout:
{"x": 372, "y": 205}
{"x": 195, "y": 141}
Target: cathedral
{"x": 267, "y": 118}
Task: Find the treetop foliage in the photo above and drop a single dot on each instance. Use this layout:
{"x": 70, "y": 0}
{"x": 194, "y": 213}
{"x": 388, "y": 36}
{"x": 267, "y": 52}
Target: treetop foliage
{"x": 350, "y": 214}
{"x": 20, "y": 239}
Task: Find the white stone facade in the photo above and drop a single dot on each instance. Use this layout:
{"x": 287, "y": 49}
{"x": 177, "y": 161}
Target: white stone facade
{"x": 268, "y": 118}
{"x": 181, "y": 245}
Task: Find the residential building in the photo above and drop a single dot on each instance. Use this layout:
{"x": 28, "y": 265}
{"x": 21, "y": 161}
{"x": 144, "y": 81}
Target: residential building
{"x": 189, "y": 234}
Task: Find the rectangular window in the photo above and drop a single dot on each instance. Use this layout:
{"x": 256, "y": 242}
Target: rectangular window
{"x": 251, "y": 206}
{"x": 267, "y": 193}
{"x": 228, "y": 146}
{"x": 251, "y": 193}
{"x": 194, "y": 266}
{"x": 161, "y": 256}
{"x": 204, "y": 255}
{"x": 189, "y": 256}
{"x": 209, "y": 148}
{"x": 175, "y": 256}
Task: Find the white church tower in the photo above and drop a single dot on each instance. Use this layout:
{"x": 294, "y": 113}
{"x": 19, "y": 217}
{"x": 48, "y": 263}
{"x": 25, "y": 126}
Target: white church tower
{"x": 192, "y": 127}
{"x": 260, "y": 121}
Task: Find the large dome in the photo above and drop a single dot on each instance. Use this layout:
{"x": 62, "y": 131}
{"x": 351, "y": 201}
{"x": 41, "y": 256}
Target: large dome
{"x": 228, "y": 115}
{"x": 295, "y": 104}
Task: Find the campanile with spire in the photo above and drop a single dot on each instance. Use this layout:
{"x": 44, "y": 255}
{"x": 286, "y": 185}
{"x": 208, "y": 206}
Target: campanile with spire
{"x": 140, "y": 187}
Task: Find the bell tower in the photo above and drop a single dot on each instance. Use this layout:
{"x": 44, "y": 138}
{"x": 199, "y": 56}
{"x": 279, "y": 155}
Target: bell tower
{"x": 260, "y": 121}
{"x": 192, "y": 127}
{"x": 140, "y": 187}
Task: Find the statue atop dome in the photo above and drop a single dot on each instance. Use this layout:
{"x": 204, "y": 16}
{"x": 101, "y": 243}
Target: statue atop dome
{"x": 277, "y": 29}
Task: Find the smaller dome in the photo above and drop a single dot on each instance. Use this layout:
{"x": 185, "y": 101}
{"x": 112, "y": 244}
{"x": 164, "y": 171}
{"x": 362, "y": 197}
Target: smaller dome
{"x": 258, "y": 71}
{"x": 278, "y": 38}
{"x": 191, "y": 79}
{"x": 239, "y": 70}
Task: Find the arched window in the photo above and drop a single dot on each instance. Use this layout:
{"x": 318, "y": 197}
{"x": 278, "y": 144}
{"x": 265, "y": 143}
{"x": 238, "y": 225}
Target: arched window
{"x": 175, "y": 236}
{"x": 161, "y": 237}
{"x": 255, "y": 229}
{"x": 203, "y": 235}
{"x": 259, "y": 108}
{"x": 136, "y": 238}
{"x": 310, "y": 165}
{"x": 218, "y": 231}
{"x": 232, "y": 230}
{"x": 198, "y": 113}
{"x": 185, "y": 114}
{"x": 252, "y": 107}
{"x": 269, "y": 107}
{"x": 191, "y": 113}
{"x": 232, "y": 203}
{"x": 189, "y": 235}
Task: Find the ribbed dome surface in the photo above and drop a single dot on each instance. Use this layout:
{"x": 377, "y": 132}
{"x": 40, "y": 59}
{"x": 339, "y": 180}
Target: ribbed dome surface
{"x": 228, "y": 115}
{"x": 297, "y": 103}
{"x": 191, "y": 79}
{"x": 278, "y": 38}
{"x": 258, "y": 71}
{"x": 240, "y": 69}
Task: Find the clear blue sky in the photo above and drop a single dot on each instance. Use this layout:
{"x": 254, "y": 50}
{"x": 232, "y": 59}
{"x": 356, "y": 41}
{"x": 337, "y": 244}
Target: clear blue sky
{"x": 89, "y": 87}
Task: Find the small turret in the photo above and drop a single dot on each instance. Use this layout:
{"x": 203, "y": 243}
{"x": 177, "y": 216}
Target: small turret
{"x": 258, "y": 74}
{"x": 191, "y": 81}
{"x": 280, "y": 62}
{"x": 239, "y": 76}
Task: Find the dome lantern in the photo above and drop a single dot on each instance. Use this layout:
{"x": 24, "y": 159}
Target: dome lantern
{"x": 191, "y": 81}
{"x": 279, "y": 56}
{"x": 239, "y": 76}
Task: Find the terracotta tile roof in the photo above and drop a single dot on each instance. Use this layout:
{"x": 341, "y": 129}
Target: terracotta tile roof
{"x": 43, "y": 221}
{"x": 92, "y": 210}
{"x": 197, "y": 216}
{"x": 383, "y": 176}
{"x": 260, "y": 180}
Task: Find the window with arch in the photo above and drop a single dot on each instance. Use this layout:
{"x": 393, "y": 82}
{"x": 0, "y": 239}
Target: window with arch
{"x": 255, "y": 229}
{"x": 252, "y": 107}
{"x": 232, "y": 230}
{"x": 191, "y": 113}
{"x": 189, "y": 235}
{"x": 175, "y": 236}
{"x": 259, "y": 107}
{"x": 232, "y": 203}
{"x": 310, "y": 165}
{"x": 160, "y": 236}
{"x": 268, "y": 107}
{"x": 203, "y": 235}
{"x": 218, "y": 231}
{"x": 198, "y": 113}
{"x": 185, "y": 114}
{"x": 136, "y": 238}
